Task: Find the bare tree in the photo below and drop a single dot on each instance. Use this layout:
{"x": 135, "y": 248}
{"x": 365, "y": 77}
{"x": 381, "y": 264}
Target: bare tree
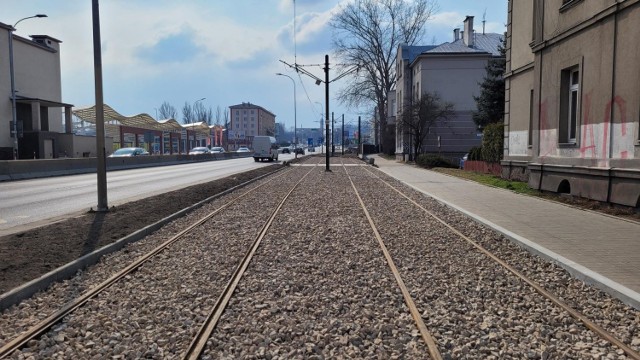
{"x": 419, "y": 116}
{"x": 225, "y": 117}
{"x": 188, "y": 116}
{"x": 218, "y": 117}
{"x": 167, "y": 111}
{"x": 367, "y": 33}
{"x": 202, "y": 114}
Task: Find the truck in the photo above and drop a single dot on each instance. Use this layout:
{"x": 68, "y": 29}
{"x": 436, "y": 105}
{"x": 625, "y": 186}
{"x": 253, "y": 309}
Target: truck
{"x": 265, "y": 148}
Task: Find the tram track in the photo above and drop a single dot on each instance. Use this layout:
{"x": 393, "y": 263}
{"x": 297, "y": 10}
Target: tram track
{"x": 377, "y": 273}
{"x": 42, "y": 326}
{"x": 326, "y": 302}
{"x": 434, "y": 296}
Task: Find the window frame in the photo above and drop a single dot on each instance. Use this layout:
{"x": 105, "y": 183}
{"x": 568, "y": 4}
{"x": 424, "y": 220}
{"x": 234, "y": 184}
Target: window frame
{"x": 569, "y": 119}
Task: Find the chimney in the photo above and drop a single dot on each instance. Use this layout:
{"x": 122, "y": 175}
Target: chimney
{"x": 456, "y": 34}
{"x": 468, "y": 31}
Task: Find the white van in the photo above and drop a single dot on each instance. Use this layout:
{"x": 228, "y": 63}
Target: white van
{"x": 265, "y": 148}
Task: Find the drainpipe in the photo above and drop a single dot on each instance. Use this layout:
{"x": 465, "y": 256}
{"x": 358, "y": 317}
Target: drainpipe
{"x": 613, "y": 94}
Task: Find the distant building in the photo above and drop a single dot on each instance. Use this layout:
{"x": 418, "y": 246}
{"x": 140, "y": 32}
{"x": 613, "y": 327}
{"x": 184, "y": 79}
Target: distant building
{"x": 452, "y": 70}
{"x": 41, "y": 131}
{"x": 248, "y": 120}
{"x": 572, "y": 105}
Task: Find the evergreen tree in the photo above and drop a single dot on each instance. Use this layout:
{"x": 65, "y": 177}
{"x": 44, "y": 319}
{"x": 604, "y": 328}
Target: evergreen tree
{"x": 490, "y": 103}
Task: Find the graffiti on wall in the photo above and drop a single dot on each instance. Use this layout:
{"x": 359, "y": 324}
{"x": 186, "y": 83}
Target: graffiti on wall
{"x": 596, "y": 141}
{"x": 548, "y": 132}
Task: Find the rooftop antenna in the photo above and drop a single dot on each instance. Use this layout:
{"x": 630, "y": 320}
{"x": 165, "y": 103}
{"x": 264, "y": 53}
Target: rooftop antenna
{"x": 484, "y": 17}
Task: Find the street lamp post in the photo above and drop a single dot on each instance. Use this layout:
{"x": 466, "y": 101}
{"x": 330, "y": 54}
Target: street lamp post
{"x": 295, "y": 120}
{"x": 13, "y": 86}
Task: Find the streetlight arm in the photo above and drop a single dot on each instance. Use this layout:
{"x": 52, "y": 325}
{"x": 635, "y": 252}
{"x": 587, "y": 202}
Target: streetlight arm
{"x": 28, "y": 17}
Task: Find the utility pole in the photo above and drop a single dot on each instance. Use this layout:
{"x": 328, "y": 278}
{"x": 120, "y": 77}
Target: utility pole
{"x": 342, "y": 138}
{"x": 333, "y": 140}
{"x": 359, "y": 135}
{"x": 326, "y": 105}
{"x": 100, "y": 142}
{"x": 300, "y": 68}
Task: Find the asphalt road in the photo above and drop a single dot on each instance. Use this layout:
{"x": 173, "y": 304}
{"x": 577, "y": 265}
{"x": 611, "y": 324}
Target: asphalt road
{"x": 29, "y": 203}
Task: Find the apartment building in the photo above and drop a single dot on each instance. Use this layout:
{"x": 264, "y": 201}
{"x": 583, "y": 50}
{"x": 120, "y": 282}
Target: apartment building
{"x": 454, "y": 71}
{"x": 573, "y": 98}
{"x": 248, "y": 120}
{"x": 40, "y": 129}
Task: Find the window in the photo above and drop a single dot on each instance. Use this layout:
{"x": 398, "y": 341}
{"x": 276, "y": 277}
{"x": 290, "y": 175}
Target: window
{"x": 569, "y": 105}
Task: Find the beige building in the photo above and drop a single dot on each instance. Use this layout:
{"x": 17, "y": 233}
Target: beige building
{"x": 246, "y": 121}
{"x": 42, "y": 133}
{"x": 573, "y": 97}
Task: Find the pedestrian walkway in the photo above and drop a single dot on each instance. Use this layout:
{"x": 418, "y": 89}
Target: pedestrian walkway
{"x": 599, "y": 249}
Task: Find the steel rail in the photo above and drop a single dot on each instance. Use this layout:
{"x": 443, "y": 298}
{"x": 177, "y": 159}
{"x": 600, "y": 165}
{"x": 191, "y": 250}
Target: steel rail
{"x": 199, "y": 342}
{"x": 72, "y": 305}
{"x": 424, "y": 332}
{"x": 604, "y": 334}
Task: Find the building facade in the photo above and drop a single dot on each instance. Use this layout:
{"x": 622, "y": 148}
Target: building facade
{"x": 453, "y": 71}
{"x": 248, "y": 120}
{"x": 41, "y": 131}
{"x": 572, "y": 102}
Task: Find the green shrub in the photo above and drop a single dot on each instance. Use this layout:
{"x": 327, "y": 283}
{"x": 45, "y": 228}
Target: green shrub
{"x": 475, "y": 154}
{"x": 493, "y": 142}
{"x": 432, "y": 160}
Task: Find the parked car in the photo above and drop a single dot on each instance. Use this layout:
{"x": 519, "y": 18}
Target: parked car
{"x": 243, "y": 149}
{"x": 299, "y": 151}
{"x": 217, "y": 149}
{"x": 129, "y": 151}
{"x": 199, "y": 151}
{"x": 286, "y": 150}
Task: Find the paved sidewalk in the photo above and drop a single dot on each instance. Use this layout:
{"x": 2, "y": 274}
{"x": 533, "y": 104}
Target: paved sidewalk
{"x": 599, "y": 249}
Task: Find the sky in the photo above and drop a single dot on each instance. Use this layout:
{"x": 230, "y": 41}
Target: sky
{"x": 227, "y": 52}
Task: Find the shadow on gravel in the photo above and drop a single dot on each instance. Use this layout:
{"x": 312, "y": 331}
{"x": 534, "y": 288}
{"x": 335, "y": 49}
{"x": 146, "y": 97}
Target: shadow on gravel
{"x": 94, "y": 233}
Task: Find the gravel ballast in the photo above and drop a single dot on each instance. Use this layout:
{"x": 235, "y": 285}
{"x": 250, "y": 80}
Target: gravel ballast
{"x": 319, "y": 286}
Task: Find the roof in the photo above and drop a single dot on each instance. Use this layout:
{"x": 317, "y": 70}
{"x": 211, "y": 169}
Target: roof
{"x": 410, "y": 52}
{"x": 482, "y": 43}
{"x": 141, "y": 121}
{"x": 43, "y": 102}
{"x": 249, "y": 105}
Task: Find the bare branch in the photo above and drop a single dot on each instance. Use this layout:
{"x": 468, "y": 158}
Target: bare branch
{"x": 167, "y": 111}
{"x": 368, "y": 33}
